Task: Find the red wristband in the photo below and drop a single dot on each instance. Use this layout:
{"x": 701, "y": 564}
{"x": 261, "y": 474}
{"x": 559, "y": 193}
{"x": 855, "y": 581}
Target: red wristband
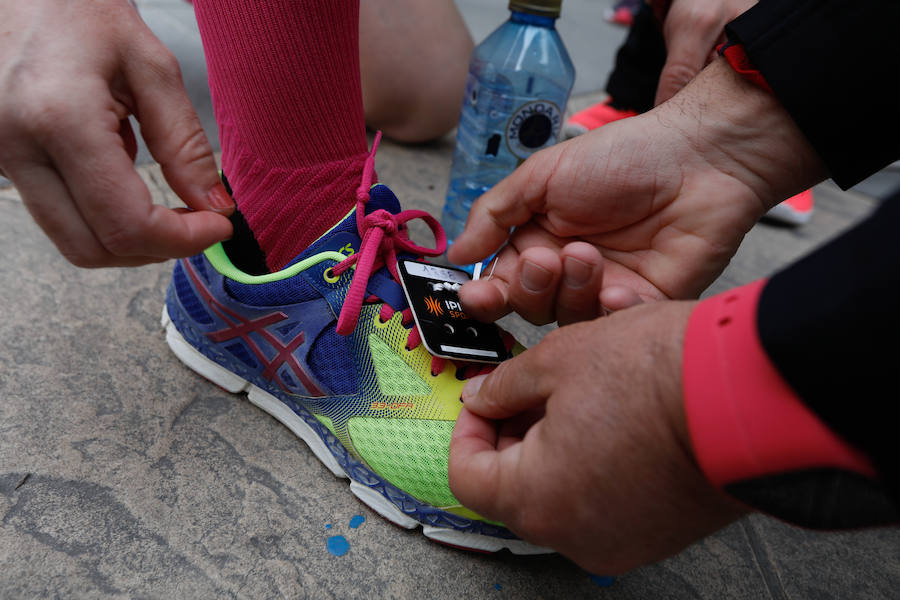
{"x": 744, "y": 420}
{"x": 740, "y": 62}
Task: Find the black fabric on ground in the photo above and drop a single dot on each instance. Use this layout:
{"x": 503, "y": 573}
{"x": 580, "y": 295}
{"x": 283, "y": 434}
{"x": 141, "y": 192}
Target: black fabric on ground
{"x": 833, "y": 65}
{"x": 831, "y": 325}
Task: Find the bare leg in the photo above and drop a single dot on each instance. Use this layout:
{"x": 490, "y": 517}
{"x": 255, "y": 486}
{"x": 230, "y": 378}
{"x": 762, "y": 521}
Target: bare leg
{"x": 414, "y": 56}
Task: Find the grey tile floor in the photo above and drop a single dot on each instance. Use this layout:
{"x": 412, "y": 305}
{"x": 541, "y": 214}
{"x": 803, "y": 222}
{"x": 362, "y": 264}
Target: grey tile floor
{"x": 124, "y": 475}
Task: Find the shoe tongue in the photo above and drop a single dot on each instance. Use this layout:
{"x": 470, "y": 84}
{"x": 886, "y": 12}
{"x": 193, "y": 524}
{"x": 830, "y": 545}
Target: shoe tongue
{"x": 345, "y": 232}
{"x": 381, "y": 197}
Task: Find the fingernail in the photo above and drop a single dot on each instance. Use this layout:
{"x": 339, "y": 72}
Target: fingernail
{"x": 219, "y": 199}
{"x": 535, "y": 278}
{"x": 470, "y": 390}
{"x": 577, "y": 272}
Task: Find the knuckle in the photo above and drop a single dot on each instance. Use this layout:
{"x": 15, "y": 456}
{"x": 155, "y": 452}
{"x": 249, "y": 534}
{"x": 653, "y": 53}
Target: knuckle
{"x": 193, "y": 147}
{"x": 678, "y": 74}
{"x": 489, "y": 394}
{"x": 705, "y": 19}
{"x": 163, "y": 65}
{"x": 43, "y": 109}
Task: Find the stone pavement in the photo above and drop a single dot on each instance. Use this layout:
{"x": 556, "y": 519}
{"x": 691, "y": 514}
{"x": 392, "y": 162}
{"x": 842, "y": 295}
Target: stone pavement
{"x": 125, "y": 475}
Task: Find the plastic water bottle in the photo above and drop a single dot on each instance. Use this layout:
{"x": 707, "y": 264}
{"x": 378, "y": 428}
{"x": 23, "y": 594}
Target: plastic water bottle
{"x": 515, "y": 100}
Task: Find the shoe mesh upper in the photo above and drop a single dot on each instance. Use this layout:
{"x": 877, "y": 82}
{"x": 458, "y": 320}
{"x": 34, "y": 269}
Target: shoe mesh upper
{"x": 332, "y": 363}
{"x": 193, "y": 306}
{"x": 411, "y": 454}
{"x": 276, "y": 293}
{"x": 395, "y": 377}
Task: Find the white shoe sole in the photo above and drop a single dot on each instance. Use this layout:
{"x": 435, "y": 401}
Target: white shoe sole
{"x": 371, "y": 498}
{"x": 785, "y": 214}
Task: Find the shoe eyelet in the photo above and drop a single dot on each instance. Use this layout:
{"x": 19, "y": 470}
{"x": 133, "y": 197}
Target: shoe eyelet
{"x": 381, "y": 323}
{"x": 329, "y": 276}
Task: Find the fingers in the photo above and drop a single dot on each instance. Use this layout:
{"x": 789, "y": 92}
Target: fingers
{"x": 477, "y": 469}
{"x": 171, "y": 128}
{"x": 533, "y": 288}
{"x": 516, "y": 386}
{"x": 48, "y": 201}
{"x": 68, "y": 147}
{"x": 100, "y": 179}
{"x": 578, "y": 297}
{"x": 510, "y": 203}
{"x": 691, "y": 30}
{"x": 619, "y": 298}
{"x": 484, "y": 458}
{"x": 486, "y": 300}
{"x": 544, "y": 283}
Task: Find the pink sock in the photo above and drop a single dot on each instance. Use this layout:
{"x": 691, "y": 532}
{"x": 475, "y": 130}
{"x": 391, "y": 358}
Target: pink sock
{"x": 285, "y": 83}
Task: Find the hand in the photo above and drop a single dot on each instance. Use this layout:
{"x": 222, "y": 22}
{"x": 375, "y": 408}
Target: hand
{"x": 692, "y": 30}
{"x": 581, "y": 444}
{"x": 654, "y": 205}
{"x": 71, "y": 73}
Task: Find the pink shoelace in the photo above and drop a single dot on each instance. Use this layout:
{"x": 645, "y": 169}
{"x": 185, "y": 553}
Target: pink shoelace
{"x": 383, "y": 235}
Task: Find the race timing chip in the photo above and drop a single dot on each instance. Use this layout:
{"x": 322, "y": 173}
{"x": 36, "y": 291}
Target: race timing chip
{"x": 447, "y": 331}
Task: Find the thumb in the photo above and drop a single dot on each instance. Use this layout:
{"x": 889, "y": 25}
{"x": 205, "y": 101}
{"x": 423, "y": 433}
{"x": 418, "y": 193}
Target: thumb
{"x": 510, "y": 203}
{"x": 514, "y": 387}
{"x": 172, "y": 130}
{"x": 689, "y": 38}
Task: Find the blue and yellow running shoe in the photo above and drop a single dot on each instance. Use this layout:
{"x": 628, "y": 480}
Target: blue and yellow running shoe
{"x": 328, "y": 347}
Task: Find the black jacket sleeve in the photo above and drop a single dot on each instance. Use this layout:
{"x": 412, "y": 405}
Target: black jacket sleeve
{"x": 831, "y": 325}
{"x": 834, "y": 65}
{"x": 831, "y": 322}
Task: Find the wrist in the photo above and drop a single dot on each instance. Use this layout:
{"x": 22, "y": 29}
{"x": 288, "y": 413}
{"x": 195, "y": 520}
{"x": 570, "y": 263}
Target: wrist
{"x": 666, "y": 353}
{"x": 739, "y": 129}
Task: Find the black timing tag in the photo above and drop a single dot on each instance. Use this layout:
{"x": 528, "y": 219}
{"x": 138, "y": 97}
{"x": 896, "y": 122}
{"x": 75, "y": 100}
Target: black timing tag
{"x": 447, "y": 331}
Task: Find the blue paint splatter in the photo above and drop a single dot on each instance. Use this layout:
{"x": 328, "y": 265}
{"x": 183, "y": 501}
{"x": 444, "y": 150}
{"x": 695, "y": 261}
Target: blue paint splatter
{"x": 327, "y": 525}
{"x": 602, "y": 580}
{"x": 357, "y": 521}
{"x": 338, "y": 545}
{"x": 498, "y": 587}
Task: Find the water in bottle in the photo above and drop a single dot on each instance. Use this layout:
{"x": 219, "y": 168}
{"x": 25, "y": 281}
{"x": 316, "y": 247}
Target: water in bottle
{"x": 516, "y": 92}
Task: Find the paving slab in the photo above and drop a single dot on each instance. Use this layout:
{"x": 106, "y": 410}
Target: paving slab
{"x": 125, "y": 475}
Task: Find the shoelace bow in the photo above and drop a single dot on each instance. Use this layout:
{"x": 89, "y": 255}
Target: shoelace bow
{"x": 383, "y": 234}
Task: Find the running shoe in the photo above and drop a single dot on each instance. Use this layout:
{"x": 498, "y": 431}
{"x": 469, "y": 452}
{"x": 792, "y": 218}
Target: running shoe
{"x": 594, "y": 116}
{"x": 796, "y": 210}
{"x": 328, "y": 346}
{"x": 622, "y": 12}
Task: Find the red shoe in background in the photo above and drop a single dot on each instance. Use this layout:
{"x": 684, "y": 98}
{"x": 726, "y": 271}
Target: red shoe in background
{"x": 593, "y": 117}
{"x": 796, "y": 210}
{"x": 622, "y": 12}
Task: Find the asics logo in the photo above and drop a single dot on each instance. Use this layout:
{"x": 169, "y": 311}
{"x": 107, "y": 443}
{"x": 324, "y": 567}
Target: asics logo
{"x": 240, "y": 327}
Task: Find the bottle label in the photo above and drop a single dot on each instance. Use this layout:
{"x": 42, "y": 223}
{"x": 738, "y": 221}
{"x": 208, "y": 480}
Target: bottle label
{"x": 535, "y": 125}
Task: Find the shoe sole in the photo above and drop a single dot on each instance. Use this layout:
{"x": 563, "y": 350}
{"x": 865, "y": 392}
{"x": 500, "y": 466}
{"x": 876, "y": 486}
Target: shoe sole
{"x": 573, "y": 130}
{"x": 783, "y": 213}
{"x": 235, "y": 384}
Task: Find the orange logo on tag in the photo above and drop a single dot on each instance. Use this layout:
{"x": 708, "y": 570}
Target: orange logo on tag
{"x": 434, "y": 307}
